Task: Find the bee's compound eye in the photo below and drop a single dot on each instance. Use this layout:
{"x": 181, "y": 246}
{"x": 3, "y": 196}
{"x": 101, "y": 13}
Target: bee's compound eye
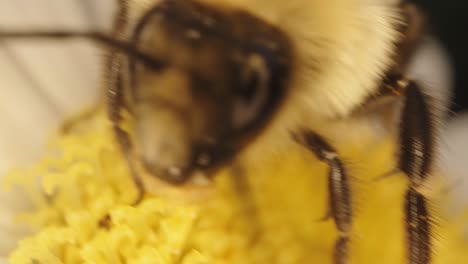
{"x": 252, "y": 94}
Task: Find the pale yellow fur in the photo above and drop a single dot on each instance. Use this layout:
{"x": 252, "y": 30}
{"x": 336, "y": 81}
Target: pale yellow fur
{"x": 342, "y": 47}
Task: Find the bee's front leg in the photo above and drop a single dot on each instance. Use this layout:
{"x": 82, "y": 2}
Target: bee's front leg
{"x": 124, "y": 141}
{"x": 340, "y": 206}
{"x": 115, "y": 104}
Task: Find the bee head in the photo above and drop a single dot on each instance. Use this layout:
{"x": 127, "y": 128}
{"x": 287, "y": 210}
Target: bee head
{"x": 203, "y": 77}
{"x": 224, "y": 75}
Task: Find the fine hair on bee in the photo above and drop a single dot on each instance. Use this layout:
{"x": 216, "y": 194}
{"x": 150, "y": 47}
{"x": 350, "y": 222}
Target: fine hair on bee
{"x": 224, "y": 75}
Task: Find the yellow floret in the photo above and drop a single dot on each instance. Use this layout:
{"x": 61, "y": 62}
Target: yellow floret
{"x": 270, "y": 213}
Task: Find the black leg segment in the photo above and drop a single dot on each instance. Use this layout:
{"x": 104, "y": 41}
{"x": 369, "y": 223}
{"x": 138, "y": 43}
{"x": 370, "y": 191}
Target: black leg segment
{"x": 115, "y": 104}
{"x": 418, "y": 228}
{"x": 340, "y": 207}
{"x": 416, "y": 136}
{"x": 416, "y": 157}
{"x": 340, "y": 252}
{"x": 124, "y": 141}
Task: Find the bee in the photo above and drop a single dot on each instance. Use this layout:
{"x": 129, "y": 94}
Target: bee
{"x": 206, "y": 80}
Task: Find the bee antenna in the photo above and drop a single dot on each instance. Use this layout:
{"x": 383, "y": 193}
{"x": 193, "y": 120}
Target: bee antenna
{"x": 97, "y": 37}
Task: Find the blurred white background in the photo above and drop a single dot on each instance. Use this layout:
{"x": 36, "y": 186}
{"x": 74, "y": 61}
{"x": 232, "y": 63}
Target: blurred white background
{"x": 41, "y": 82}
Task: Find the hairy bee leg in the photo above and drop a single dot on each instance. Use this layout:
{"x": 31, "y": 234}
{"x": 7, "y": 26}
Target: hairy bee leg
{"x": 338, "y": 182}
{"x": 126, "y": 146}
{"x": 418, "y": 228}
{"x": 387, "y": 175}
{"x": 115, "y": 104}
{"x": 340, "y": 252}
{"x": 340, "y": 207}
{"x": 327, "y": 216}
{"x": 416, "y": 138}
{"x": 125, "y": 143}
{"x": 115, "y": 98}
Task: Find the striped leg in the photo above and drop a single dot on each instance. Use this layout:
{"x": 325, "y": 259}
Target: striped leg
{"x": 417, "y": 140}
{"x": 340, "y": 207}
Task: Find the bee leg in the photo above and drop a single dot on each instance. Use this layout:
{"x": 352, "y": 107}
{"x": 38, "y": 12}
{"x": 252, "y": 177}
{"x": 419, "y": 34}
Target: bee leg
{"x": 416, "y": 138}
{"x": 387, "y": 175}
{"x": 125, "y": 144}
{"x": 327, "y": 216}
{"x": 115, "y": 98}
{"x": 418, "y": 228}
{"x": 115, "y": 103}
{"x": 340, "y": 207}
{"x": 340, "y": 252}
